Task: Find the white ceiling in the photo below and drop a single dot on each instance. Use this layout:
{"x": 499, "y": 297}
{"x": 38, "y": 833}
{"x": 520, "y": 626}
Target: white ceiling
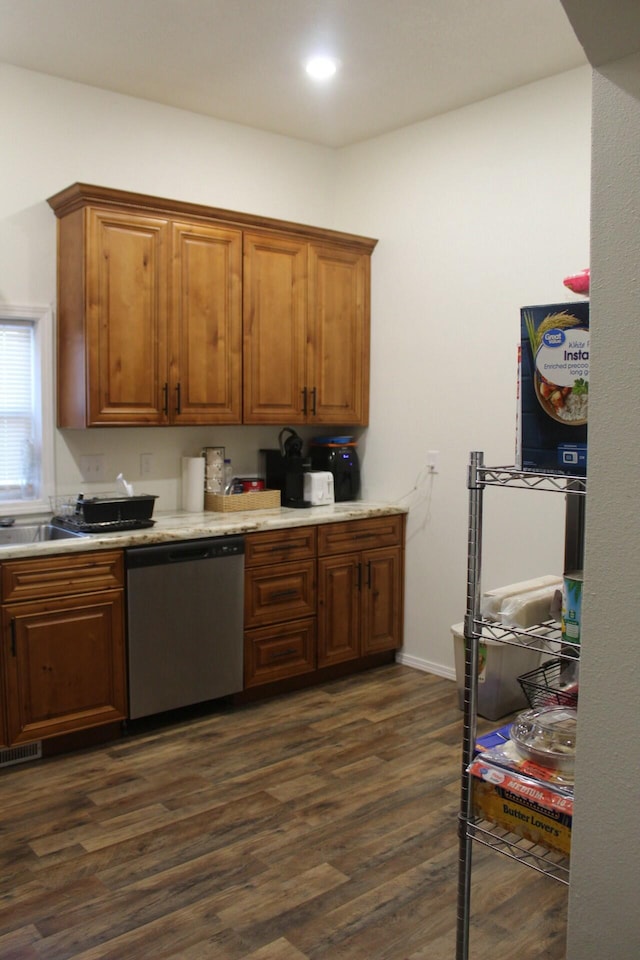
{"x": 241, "y": 60}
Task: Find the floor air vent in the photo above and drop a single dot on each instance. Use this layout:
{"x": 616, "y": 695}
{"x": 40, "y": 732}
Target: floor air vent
{"x": 11, "y": 755}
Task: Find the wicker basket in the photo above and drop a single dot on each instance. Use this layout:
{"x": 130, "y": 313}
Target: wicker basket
{"x": 542, "y": 686}
{"x": 255, "y": 500}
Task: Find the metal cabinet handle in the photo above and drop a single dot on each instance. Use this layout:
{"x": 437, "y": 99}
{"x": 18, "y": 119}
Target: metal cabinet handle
{"x": 283, "y": 653}
{"x": 283, "y": 594}
{"x": 304, "y": 401}
{"x": 13, "y": 637}
{"x": 165, "y": 404}
{"x": 313, "y": 401}
{"x": 178, "y": 400}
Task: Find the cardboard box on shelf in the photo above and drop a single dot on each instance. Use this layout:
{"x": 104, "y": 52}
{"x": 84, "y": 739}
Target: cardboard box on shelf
{"x": 522, "y": 805}
{"x": 554, "y": 388}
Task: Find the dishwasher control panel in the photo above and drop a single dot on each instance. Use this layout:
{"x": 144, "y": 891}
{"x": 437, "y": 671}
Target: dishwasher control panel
{"x": 207, "y": 548}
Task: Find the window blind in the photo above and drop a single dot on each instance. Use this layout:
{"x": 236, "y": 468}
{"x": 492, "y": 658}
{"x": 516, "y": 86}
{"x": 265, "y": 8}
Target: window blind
{"x": 16, "y": 404}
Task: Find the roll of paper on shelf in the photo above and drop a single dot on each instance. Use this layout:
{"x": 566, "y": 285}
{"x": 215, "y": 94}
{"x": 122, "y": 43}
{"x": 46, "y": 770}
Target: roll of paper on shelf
{"x": 193, "y": 484}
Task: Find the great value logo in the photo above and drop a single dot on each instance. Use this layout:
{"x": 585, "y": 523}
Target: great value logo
{"x": 554, "y": 338}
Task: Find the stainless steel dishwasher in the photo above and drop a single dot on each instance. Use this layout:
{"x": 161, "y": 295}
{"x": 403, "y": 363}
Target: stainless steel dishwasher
{"x": 185, "y": 620}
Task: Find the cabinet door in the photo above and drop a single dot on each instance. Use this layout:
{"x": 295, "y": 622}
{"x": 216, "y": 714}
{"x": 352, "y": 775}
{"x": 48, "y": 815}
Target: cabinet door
{"x": 382, "y": 600}
{"x": 4, "y": 738}
{"x": 65, "y": 665}
{"x": 338, "y": 318}
{"x": 275, "y": 331}
{"x": 339, "y": 600}
{"x": 205, "y": 368}
{"x": 126, "y": 278}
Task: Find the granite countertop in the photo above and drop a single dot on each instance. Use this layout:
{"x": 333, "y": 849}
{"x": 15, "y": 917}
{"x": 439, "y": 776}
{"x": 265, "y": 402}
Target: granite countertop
{"x": 191, "y": 526}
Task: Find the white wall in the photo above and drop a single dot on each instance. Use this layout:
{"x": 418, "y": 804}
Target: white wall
{"x": 478, "y": 212}
{"x": 56, "y": 133}
{"x": 605, "y": 854}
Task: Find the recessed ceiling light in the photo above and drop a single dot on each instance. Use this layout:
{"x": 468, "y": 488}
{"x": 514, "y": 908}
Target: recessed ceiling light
{"x": 322, "y": 67}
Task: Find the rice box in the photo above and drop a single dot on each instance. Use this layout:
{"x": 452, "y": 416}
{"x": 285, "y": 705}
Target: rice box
{"x": 554, "y": 388}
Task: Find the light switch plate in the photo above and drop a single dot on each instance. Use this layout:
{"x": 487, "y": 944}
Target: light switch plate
{"x": 92, "y": 468}
{"x": 146, "y": 464}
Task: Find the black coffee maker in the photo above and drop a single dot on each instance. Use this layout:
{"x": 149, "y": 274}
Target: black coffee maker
{"x": 285, "y": 468}
{"x": 340, "y": 456}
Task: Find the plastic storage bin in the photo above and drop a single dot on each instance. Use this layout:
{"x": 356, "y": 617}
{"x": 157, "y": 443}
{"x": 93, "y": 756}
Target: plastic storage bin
{"x": 500, "y": 665}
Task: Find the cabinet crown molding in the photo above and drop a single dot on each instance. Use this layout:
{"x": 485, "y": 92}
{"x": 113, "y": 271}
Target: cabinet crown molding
{"x": 79, "y": 195}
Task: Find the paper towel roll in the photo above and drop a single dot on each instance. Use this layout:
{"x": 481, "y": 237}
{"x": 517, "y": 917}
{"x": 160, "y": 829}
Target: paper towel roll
{"x": 193, "y": 484}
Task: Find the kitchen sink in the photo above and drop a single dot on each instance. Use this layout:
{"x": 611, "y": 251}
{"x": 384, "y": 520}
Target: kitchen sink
{"x": 34, "y": 533}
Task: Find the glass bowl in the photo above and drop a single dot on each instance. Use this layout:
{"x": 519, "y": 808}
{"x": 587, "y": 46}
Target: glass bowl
{"x": 547, "y": 736}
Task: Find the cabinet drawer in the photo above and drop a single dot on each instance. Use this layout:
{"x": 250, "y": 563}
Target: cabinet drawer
{"x": 36, "y": 579}
{"x": 285, "y": 591}
{"x": 274, "y": 653}
{"x": 336, "y": 538}
{"x": 274, "y": 546}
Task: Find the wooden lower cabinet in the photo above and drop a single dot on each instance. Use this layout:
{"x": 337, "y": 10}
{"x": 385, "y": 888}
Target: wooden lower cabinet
{"x": 360, "y": 591}
{"x": 63, "y": 649}
{"x": 293, "y": 626}
{"x": 340, "y": 602}
{"x": 279, "y": 605}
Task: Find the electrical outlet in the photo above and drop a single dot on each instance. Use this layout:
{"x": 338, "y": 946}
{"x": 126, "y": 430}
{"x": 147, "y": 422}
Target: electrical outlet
{"x": 146, "y": 464}
{"x": 92, "y": 468}
{"x": 433, "y": 461}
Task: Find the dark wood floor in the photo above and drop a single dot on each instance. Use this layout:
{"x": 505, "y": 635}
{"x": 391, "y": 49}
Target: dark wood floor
{"x": 318, "y": 825}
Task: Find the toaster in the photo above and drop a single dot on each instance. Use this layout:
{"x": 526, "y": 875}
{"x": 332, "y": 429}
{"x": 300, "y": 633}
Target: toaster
{"x": 318, "y": 487}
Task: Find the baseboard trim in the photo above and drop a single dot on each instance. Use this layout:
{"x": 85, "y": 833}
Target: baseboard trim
{"x": 427, "y": 666}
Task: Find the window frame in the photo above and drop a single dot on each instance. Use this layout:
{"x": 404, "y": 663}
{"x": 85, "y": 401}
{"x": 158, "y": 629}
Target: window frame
{"x": 44, "y": 404}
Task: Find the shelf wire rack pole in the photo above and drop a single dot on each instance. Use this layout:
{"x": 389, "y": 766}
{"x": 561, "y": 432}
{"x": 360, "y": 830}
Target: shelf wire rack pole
{"x": 474, "y": 552}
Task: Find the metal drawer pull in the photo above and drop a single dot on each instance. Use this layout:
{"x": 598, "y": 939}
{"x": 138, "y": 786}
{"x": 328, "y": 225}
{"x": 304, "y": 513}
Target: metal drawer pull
{"x": 283, "y": 653}
{"x": 283, "y": 594}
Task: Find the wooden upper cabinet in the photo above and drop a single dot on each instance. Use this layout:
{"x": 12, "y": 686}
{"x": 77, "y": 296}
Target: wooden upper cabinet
{"x": 176, "y": 313}
{"x": 205, "y": 371}
{"x": 275, "y": 329}
{"x": 338, "y": 322}
{"x": 126, "y": 319}
{"x": 112, "y": 315}
{"x": 306, "y": 332}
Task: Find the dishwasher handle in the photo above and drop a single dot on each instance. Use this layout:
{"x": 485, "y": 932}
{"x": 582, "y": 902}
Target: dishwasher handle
{"x": 208, "y": 548}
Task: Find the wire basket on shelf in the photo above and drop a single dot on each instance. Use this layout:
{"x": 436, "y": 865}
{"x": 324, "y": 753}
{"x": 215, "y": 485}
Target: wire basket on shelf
{"x": 545, "y": 686}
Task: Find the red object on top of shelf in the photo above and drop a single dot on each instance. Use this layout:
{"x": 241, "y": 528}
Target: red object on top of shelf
{"x": 579, "y": 282}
